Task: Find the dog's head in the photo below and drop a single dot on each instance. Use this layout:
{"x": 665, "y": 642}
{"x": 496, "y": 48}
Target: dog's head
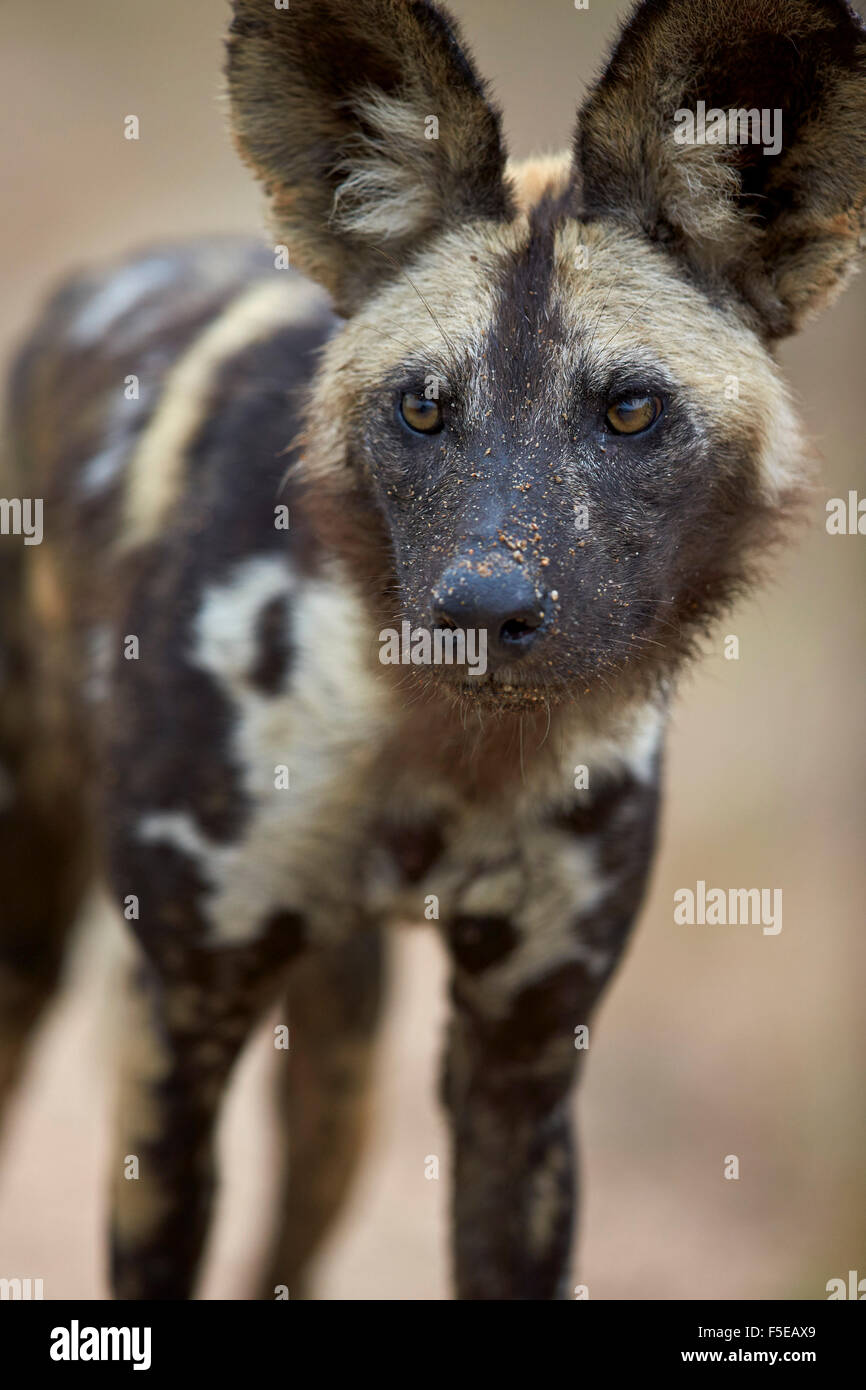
{"x": 552, "y": 416}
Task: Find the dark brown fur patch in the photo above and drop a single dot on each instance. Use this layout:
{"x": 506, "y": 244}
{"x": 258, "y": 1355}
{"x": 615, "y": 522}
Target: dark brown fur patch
{"x": 271, "y": 666}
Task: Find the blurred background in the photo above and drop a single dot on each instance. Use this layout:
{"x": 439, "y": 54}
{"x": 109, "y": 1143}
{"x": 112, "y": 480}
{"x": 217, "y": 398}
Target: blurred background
{"x": 711, "y": 1042}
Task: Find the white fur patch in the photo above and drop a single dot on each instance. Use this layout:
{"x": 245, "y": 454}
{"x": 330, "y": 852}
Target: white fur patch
{"x": 560, "y": 881}
{"x": 324, "y": 729}
{"x": 121, "y": 293}
{"x": 225, "y": 641}
{"x": 100, "y": 649}
{"x": 102, "y": 469}
{"x": 178, "y": 829}
{"x": 381, "y": 195}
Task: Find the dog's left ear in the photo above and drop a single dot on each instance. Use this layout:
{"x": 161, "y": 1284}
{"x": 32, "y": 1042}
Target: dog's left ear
{"x": 780, "y": 228}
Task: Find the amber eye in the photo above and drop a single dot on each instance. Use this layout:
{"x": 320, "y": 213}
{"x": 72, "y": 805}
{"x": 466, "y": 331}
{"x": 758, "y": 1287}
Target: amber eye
{"x": 634, "y": 414}
{"x": 420, "y": 414}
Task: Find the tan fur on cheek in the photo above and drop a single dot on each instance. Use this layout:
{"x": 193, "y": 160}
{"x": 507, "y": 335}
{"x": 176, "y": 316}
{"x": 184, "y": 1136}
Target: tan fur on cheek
{"x": 444, "y": 305}
{"x": 625, "y": 298}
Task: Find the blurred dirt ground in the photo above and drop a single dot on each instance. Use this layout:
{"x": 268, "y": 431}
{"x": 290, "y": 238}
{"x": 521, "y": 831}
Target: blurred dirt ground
{"x": 712, "y": 1041}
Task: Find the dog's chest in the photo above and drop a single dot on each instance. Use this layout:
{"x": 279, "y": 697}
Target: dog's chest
{"x": 355, "y": 801}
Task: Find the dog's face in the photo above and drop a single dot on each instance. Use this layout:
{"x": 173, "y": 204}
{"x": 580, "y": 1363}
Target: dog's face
{"x": 552, "y": 418}
{"x": 569, "y": 451}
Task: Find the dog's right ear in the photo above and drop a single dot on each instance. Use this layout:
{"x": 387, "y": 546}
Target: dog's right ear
{"x": 370, "y": 128}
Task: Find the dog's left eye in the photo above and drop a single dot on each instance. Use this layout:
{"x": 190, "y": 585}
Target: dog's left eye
{"x": 423, "y": 416}
{"x": 634, "y": 414}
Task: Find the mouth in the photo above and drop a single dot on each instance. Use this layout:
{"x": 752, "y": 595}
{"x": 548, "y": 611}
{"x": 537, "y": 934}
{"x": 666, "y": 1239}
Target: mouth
{"x": 471, "y": 678}
{"x": 498, "y": 691}
{"x": 466, "y": 674}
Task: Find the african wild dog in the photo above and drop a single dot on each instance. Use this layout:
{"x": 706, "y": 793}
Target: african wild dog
{"x": 504, "y": 410}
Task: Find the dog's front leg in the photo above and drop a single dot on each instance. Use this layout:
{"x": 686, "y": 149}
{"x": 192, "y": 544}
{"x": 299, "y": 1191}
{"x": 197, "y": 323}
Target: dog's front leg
{"x": 191, "y": 1012}
{"x": 524, "y": 988}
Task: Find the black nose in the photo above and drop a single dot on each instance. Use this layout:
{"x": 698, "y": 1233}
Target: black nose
{"x": 500, "y": 600}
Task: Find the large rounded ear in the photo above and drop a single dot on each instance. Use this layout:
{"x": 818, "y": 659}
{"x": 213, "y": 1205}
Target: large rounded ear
{"x": 734, "y": 131}
{"x": 370, "y": 128}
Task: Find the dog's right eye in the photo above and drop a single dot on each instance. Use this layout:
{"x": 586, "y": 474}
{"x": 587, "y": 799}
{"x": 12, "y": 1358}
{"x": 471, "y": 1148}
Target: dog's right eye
{"x": 421, "y": 415}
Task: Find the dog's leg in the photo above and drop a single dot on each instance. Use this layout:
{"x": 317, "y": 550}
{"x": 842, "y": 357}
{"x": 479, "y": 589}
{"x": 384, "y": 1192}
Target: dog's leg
{"x": 333, "y": 1006}
{"x": 44, "y": 871}
{"x": 192, "y": 1010}
{"x": 523, "y": 983}
{"x": 44, "y": 860}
